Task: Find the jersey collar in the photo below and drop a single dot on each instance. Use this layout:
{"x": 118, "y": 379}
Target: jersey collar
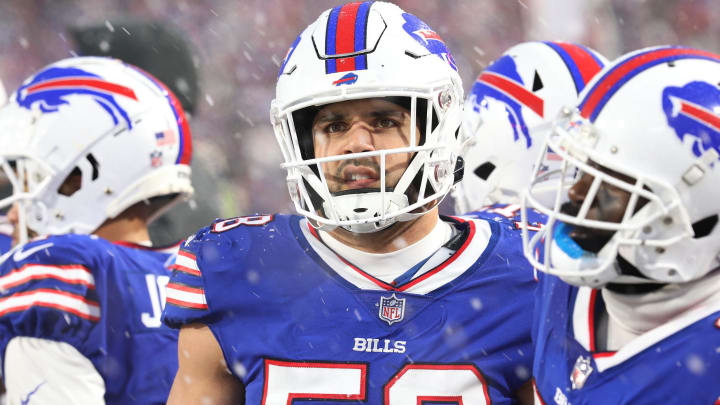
{"x": 445, "y": 265}
{"x": 588, "y": 305}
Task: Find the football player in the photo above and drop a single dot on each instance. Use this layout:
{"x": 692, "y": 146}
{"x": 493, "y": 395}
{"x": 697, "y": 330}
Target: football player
{"x": 369, "y": 295}
{"x": 507, "y": 115}
{"x": 94, "y": 149}
{"x": 629, "y": 312}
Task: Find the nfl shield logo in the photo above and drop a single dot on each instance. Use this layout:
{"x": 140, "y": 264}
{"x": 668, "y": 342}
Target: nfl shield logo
{"x": 392, "y": 309}
{"x": 581, "y": 372}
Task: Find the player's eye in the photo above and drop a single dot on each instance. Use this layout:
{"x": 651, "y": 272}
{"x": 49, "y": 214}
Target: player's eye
{"x": 335, "y": 127}
{"x": 386, "y": 123}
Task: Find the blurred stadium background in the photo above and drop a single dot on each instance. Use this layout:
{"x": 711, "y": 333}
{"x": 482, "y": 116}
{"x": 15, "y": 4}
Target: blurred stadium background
{"x": 236, "y": 48}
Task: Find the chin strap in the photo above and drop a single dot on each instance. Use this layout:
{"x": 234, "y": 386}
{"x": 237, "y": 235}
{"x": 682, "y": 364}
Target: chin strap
{"x": 366, "y": 205}
{"x": 638, "y": 283}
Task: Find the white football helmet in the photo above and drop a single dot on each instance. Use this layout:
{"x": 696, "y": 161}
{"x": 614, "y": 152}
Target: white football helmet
{"x": 647, "y": 128}
{"x": 113, "y": 124}
{"x": 368, "y": 50}
{"x": 509, "y": 112}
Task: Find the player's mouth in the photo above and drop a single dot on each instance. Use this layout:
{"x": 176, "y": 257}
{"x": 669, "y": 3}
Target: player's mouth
{"x": 359, "y": 177}
{"x": 590, "y": 239}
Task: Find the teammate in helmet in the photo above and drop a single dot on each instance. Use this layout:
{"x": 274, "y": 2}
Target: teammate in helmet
{"x": 94, "y": 149}
{"x": 632, "y": 292}
{"x": 508, "y": 113}
{"x": 369, "y": 295}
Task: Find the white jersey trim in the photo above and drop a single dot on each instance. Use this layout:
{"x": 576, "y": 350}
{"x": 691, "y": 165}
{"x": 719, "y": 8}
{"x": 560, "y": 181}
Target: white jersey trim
{"x": 581, "y": 317}
{"x": 183, "y": 259}
{"x": 185, "y": 294}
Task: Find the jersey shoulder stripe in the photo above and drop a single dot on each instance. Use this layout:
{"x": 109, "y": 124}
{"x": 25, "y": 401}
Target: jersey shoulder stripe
{"x": 186, "y": 262}
{"x": 50, "y": 298}
{"x": 70, "y": 274}
{"x": 185, "y": 296}
{"x": 220, "y": 248}
{"x": 52, "y": 273}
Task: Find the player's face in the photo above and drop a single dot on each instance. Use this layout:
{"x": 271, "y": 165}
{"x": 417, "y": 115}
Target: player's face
{"x": 13, "y": 218}
{"x": 70, "y": 185}
{"x": 362, "y": 126}
{"x": 609, "y": 205}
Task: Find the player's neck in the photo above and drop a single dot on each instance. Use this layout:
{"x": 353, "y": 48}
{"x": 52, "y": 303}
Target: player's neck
{"x": 396, "y": 237}
{"x": 634, "y": 314}
{"x": 130, "y": 226}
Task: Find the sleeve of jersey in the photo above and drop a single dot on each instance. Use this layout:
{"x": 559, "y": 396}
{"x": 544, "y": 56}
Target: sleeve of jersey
{"x": 185, "y": 294}
{"x": 49, "y": 294}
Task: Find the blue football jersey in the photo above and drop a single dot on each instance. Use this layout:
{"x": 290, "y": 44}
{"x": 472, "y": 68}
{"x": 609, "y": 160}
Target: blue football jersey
{"x": 5, "y": 243}
{"x": 509, "y": 212}
{"x": 295, "y": 321}
{"x": 676, "y": 363}
{"x": 5, "y": 235}
{"x": 104, "y": 299}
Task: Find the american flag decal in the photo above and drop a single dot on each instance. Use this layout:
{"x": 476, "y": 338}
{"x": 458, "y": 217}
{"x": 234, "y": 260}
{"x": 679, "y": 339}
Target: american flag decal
{"x": 166, "y": 137}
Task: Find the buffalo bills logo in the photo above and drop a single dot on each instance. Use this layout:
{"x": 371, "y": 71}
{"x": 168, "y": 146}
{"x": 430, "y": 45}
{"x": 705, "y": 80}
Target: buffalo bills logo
{"x": 428, "y": 38}
{"x": 49, "y": 90}
{"x": 502, "y": 82}
{"x": 349, "y": 78}
{"x": 694, "y": 111}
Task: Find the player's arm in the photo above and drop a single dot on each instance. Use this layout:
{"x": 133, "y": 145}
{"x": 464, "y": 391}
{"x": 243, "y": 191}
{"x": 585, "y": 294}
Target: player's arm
{"x": 203, "y": 376}
{"x": 524, "y": 394}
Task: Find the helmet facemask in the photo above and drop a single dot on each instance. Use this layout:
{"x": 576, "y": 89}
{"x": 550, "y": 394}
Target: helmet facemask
{"x": 412, "y": 178}
{"x": 637, "y": 216}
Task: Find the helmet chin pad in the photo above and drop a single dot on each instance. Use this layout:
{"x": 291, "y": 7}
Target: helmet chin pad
{"x": 365, "y": 204}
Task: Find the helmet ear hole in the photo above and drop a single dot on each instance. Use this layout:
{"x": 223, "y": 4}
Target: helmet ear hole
{"x": 484, "y": 170}
{"x": 72, "y": 183}
{"x": 705, "y": 226}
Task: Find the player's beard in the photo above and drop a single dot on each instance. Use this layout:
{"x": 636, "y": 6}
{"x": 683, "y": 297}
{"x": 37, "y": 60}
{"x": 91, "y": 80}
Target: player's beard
{"x": 338, "y": 179}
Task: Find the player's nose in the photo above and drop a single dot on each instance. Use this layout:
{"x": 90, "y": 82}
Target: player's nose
{"x": 359, "y": 138}
{"x": 578, "y": 192}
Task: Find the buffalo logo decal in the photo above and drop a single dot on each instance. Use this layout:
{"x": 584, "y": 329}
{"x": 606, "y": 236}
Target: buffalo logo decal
{"x": 428, "y": 38}
{"x": 50, "y": 89}
{"x": 502, "y": 82}
{"x": 694, "y": 111}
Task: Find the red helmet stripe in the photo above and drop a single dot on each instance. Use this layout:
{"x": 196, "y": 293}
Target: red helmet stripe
{"x": 345, "y": 38}
{"x": 611, "y": 81}
{"x": 584, "y": 60}
{"x": 97, "y": 84}
{"x": 514, "y": 90}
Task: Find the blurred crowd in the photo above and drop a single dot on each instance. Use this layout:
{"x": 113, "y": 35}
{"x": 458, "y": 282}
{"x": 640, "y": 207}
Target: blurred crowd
{"x": 237, "y": 47}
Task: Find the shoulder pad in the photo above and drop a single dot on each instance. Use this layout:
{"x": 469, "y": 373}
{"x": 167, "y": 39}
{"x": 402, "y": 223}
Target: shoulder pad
{"x": 47, "y": 288}
{"x": 222, "y": 246}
